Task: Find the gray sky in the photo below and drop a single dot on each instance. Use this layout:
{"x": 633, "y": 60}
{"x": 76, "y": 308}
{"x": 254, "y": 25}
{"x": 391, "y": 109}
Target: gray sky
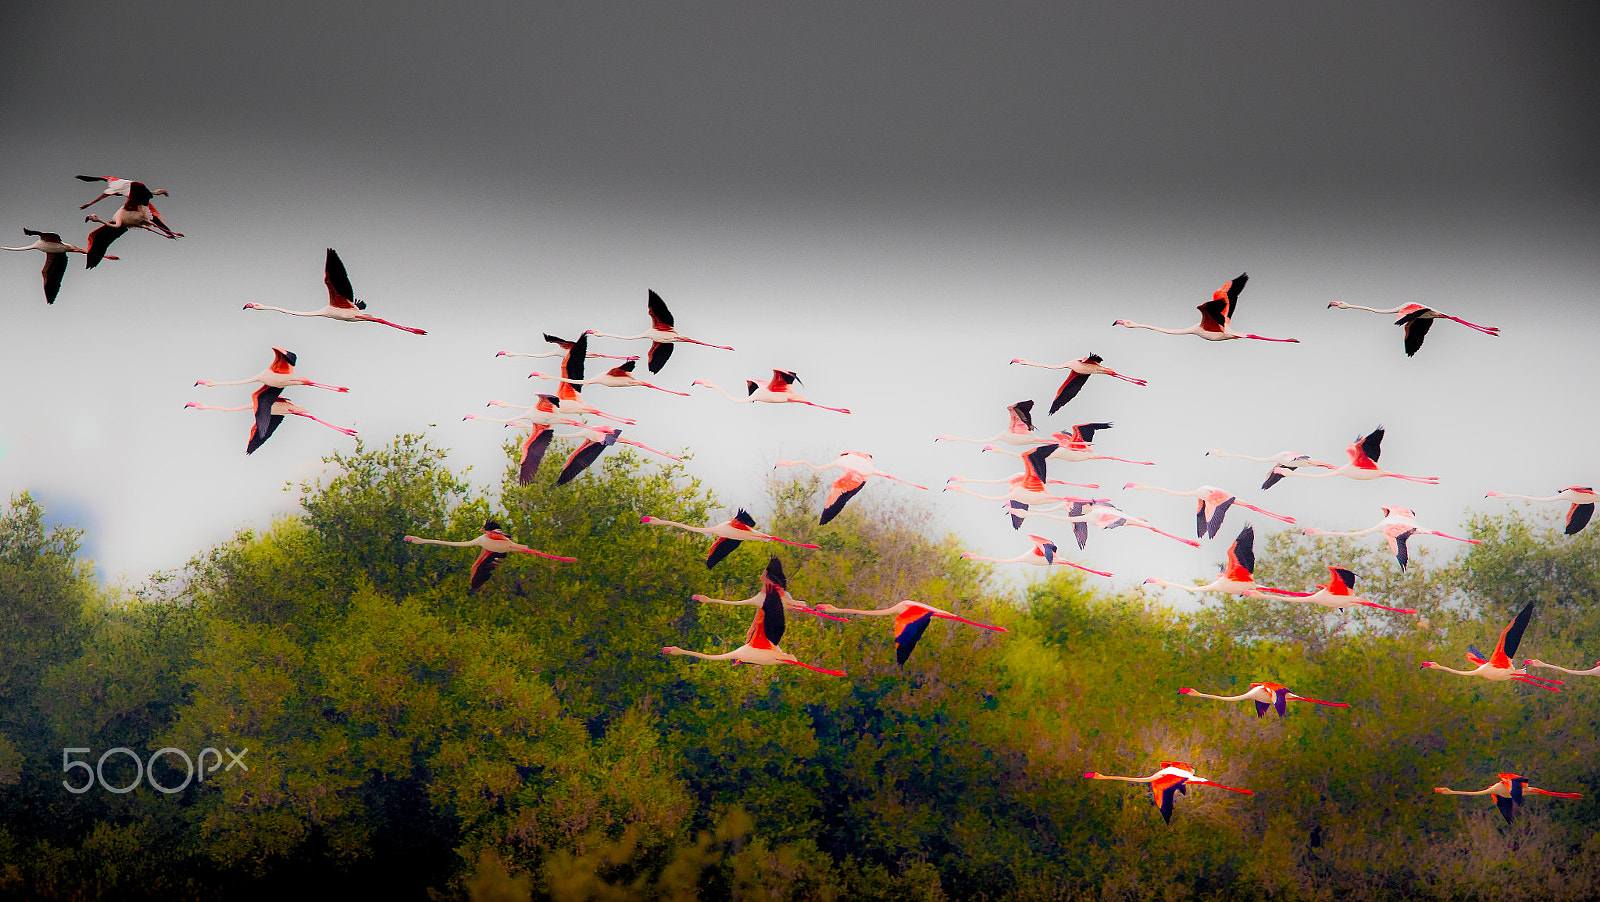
{"x": 891, "y": 199}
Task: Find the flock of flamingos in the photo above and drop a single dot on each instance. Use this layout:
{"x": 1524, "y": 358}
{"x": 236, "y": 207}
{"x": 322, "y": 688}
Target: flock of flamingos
{"x": 1025, "y": 496}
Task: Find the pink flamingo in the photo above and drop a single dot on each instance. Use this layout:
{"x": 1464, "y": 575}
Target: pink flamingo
{"x": 729, "y": 533}
{"x": 1238, "y": 576}
{"x": 1507, "y": 792}
{"x": 1417, "y": 320}
{"x": 1075, "y": 446}
{"x": 1582, "y": 498}
{"x": 55, "y": 258}
{"x": 270, "y": 409}
{"x": 116, "y": 186}
{"x": 496, "y": 546}
{"x": 564, "y": 346}
{"x": 911, "y": 619}
{"x": 1211, "y": 508}
{"x": 1398, "y": 525}
{"x": 135, "y": 213}
{"x": 1531, "y": 662}
{"x": 279, "y": 374}
{"x": 1019, "y": 432}
{"x": 772, "y": 578}
{"x": 342, "y": 303}
{"x": 1266, "y": 695}
{"x": 1338, "y": 592}
{"x": 857, "y": 467}
{"x": 661, "y": 333}
{"x": 761, "y": 642}
{"x": 1289, "y": 460}
{"x": 1215, "y": 316}
{"x": 1028, "y": 487}
{"x": 620, "y": 376}
{"x": 776, "y": 391}
{"x": 1043, "y": 554}
{"x": 1363, "y": 453}
{"x": 1172, "y": 777}
{"x": 1097, "y": 512}
{"x": 1500, "y": 666}
{"x": 1082, "y": 369}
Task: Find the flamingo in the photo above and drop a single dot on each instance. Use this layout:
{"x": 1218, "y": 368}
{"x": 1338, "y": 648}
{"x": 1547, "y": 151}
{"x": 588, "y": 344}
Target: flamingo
{"x": 1582, "y": 497}
{"x": 772, "y": 577}
{"x": 569, "y": 389}
{"x": 280, "y": 374}
{"x": 620, "y": 376}
{"x": 496, "y": 545}
{"x": 596, "y": 439}
{"x": 1289, "y": 460}
{"x": 857, "y": 467}
{"x": 729, "y": 533}
{"x": 1363, "y": 453}
{"x": 1338, "y": 592}
{"x": 270, "y": 409}
{"x": 1173, "y": 776}
{"x": 55, "y": 258}
{"x": 1398, "y": 525}
{"x": 761, "y": 643}
{"x": 1508, "y": 792}
{"x": 1531, "y": 662}
{"x": 1028, "y": 487}
{"x": 661, "y": 334}
{"x": 1417, "y": 320}
{"x": 1082, "y": 369}
{"x": 1019, "y": 432}
{"x": 1500, "y": 666}
{"x": 565, "y": 346}
{"x": 1075, "y": 446}
{"x": 116, "y": 186}
{"x": 1211, "y": 508}
{"x": 1238, "y": 576}
{"x": 1265, "y": 695}
{"x": 540, "y": 420}
{"x": 135, "y": 213}
{"x": 776, "y": 391}
{"x": 1042, "y": 555}
{"x": 911, "y": 619}
{"x": 1098, "y": 512}
{"x": 1215, "y": 316}
{"x": 342, "y": 304}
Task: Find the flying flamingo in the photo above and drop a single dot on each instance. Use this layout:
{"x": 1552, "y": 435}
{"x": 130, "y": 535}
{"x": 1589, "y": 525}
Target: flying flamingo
{"x": 761, "y": 643}
{"x": 1215, "y": 316}
{"x": 1363, "y": 453}
{"x": 1019, "y": 432}
{"x": 1173, "y": 776}
{"x": 1417, "y": 320}
{"x": 1583, "y": 499}
{"x": 1042, "y": 555}
{"x": 1097, "y": 512}
{"x": 1082, "y": 369}
{"x": 1265, "y": 695}
{"x": 570, "y": 387}
{"x": 116, "y": 186}
{"x": 1028, "y": 487}
{"x": 911, "y": 619}
{"x": 280, "y": 374}
{"x": 496, "y": 545}
{"x": 606, "y": 436}
{"x": 620, "y": 376}
{"x": 565, "y": 346}
{"x": 1507, "y": 792}
{"x": 1211, "y": 508}
{"x": 1590, "y": 672}
{"x": 135, "y": 213}
{"x": 729, "y": 533}
{"x": 773, "y": 578}
{"x": 55, "y": 258}
{"x": 857, "y": 467}
{"x": 661, "y": 334}
{"x": 1398, "y": 525}
{"x": 1338, "y": 592}
{"x": 342, "y": 303}
{"x": 1075, "y": 446}
{"x": 1289, "y": 460}
{"x": 270, "y": 409}
{"x": 776, "y": 391}
{"x": 540, "y": 418}
{"x": 1500, "y": 666}
{"x": 1238, "y": 576}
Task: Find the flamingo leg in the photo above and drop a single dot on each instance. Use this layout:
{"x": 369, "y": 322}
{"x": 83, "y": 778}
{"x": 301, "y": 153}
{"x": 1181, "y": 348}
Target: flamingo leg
{"x": 798, "y": 663}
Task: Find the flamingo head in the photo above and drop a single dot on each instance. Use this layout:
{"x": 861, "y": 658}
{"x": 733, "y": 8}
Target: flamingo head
{"x": 191, "y": 403}
{"x": 1429, "y": 664}
{"x": 647, "y": 519}
{"x": 826, "y": 608}
{"x": 1091, "y": 775}
{"x": 1493, "y": 494}
{"x": 990, "y": 448}
{"x": 1133, "y": 485}
{"x": 411, "y": 538}
{"x": 1120, "y": 322}
{"x": 251, "y": 306}
{"x": 160, "y": 191}
{"x": 206, "y": 382}
{"x": 1150, "y": 581}
{"x": 1437, "y": 788}
{"x": 1018, "y": 360}
{"x": 1187, "y": 691}
{"x": 965, "y": 555}
{"x": 672, "y": 650}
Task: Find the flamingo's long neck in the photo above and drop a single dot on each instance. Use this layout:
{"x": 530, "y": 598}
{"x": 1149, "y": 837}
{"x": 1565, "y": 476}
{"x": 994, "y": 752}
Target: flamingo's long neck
{"x": 1220, "y": 698}
{"x": 1369, "y": 309}
{"x": 1192, "y": 330}
{"x": 725, "y": 656}
{"x": 421, "y": 541}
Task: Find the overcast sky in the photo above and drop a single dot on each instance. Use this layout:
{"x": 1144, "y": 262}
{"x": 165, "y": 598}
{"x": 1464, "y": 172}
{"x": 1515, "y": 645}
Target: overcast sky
{"x": 891, "y": 199}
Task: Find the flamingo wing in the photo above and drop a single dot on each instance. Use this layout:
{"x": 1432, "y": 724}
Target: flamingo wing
{"x": 660, "y": 316}
{"x": 533, "y": 449}
{"x": 781, "y": 380}
{"x": 55, "y": 266}
{"x": 1415, "y": 331}
{"x": 1476, "y": 657}
{"x": 1280, "y": 701}
{"x": 1242, "y": 557}
{"x": 1261, "y": 708}
{"x": 1577, "y": 517}
{"x": 909, "y": 626}
{"x": 1037, "y": 468}
{"x": 1343, "y": 582}
{"x": 773, "y": 575}
{"x": 1511, "y": 637}
{"x": 1021, "y": 417}
{"x": 720, "y": 549}
{"x": 1230, "y": 290}
{"x": 586, "y": 454}
{"x": 1161, "y": 790}
{"x": 1084, "y": 432}
{"x": 1068, "y": 390}
{"x": 767, "y": 630}
{"x": 1365, "y": 453}
{"x": 659, "y": 352}
{"x": 621, "y": 370}
{"x": 1398, "y": 544}
{"x": 484, "y": 567}
{"x": 844, "y": 488}
{"x": 340, "y": 292}
{"x": 283, "y": 361}
{"x": 1217, "y": 516}
{"x": 1214, "y": 315}
{"x": 1044, "y": 548}
{"x": 265, "y": 422}
{"x": 559, "y": 342}
{"x": 1517, "y": 785}
{"x": 1016, "y": 520}
{"x": 99, "y": 240}
{"x": 572, "y": 364}
{"x": 1507, "y": 811}
{"x": 743, "y": 516}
